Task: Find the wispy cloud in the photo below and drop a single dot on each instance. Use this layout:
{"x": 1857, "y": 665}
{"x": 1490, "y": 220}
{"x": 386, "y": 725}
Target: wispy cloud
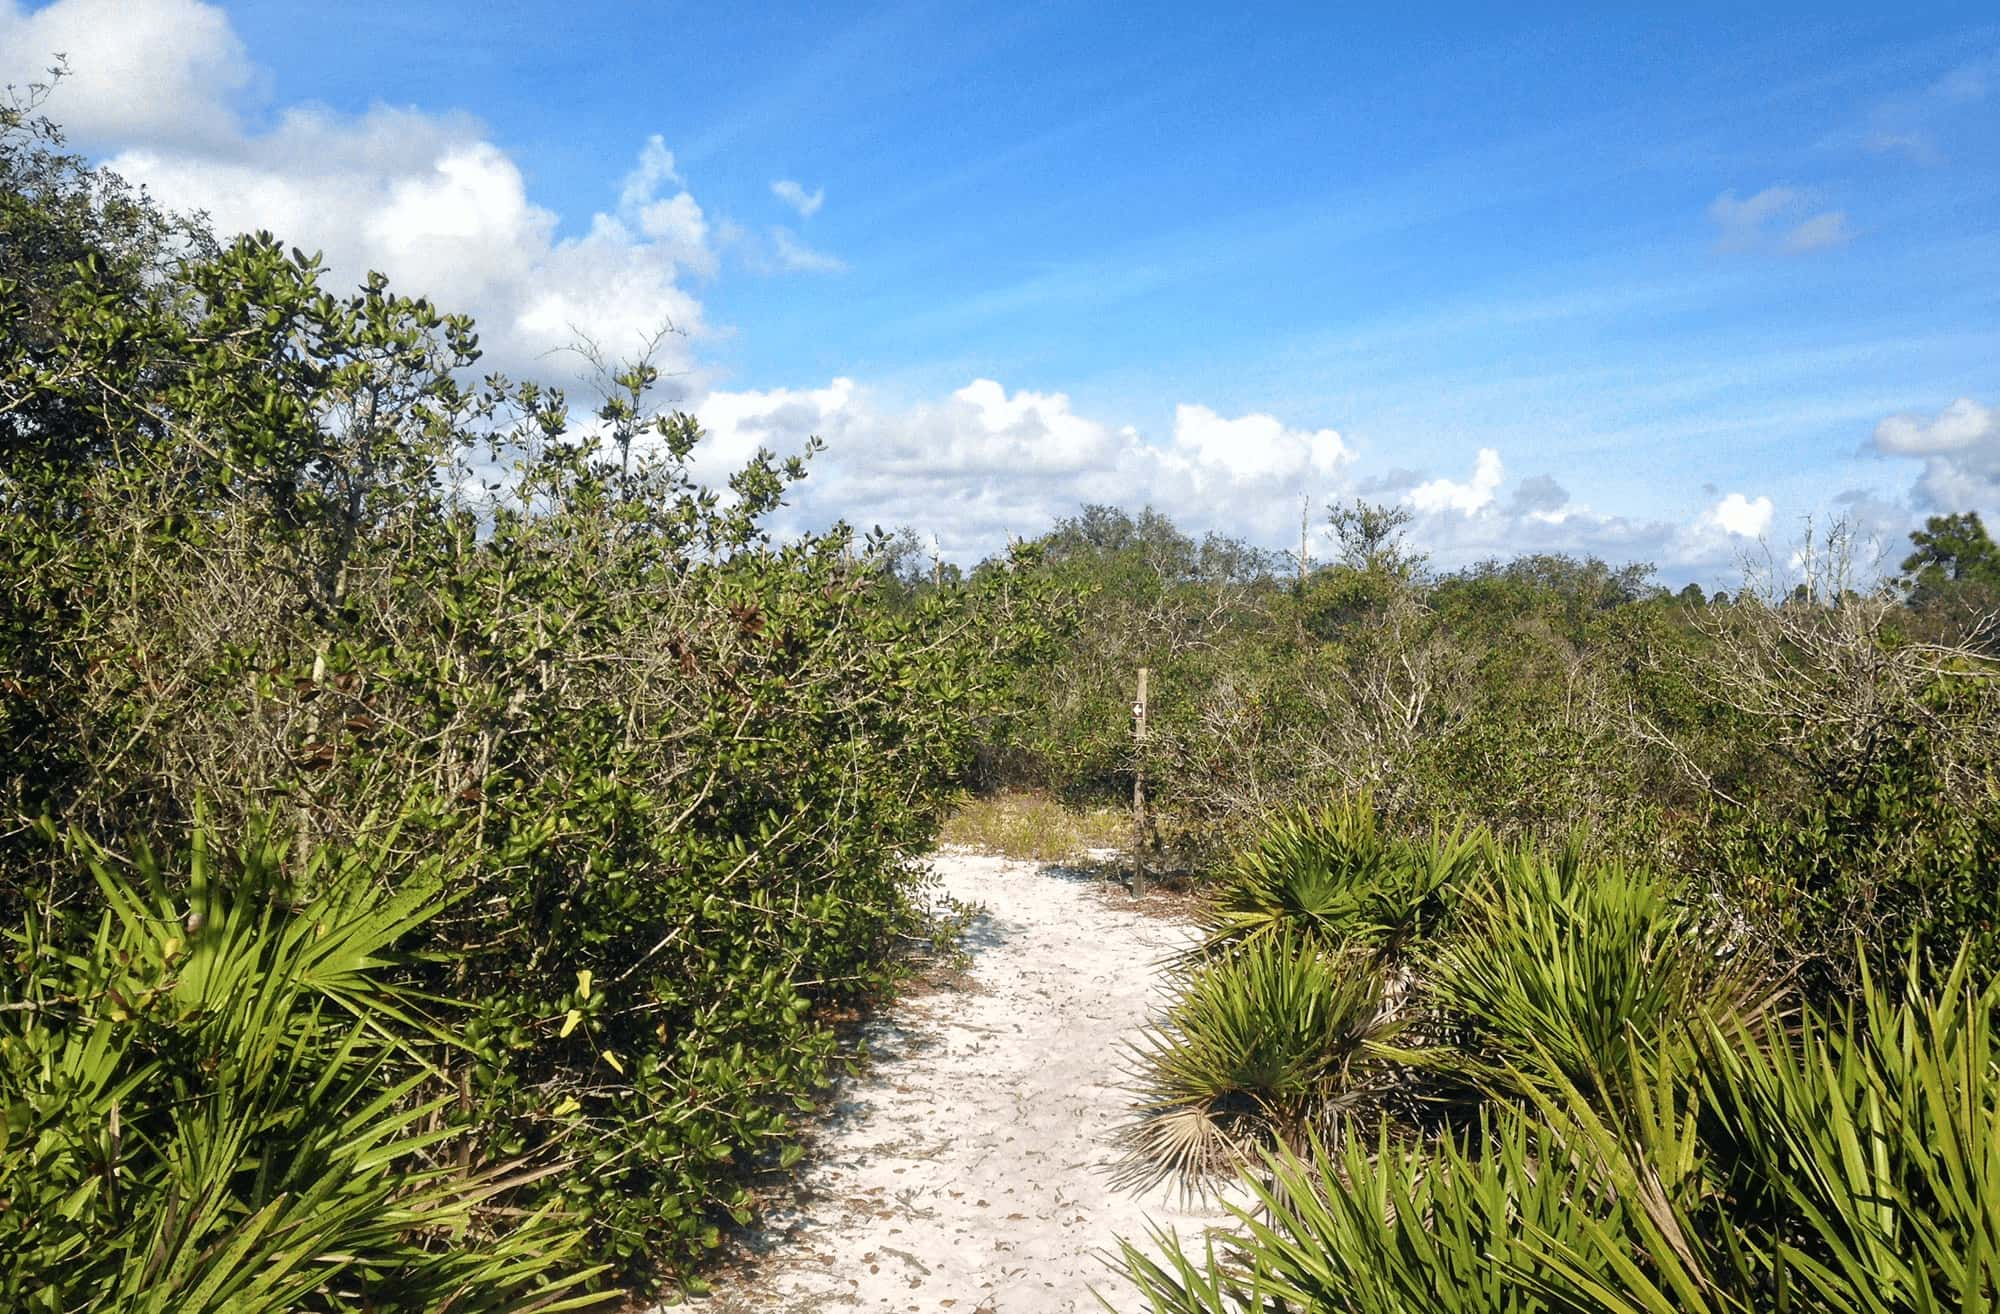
{"x": 1909, "y": 143}
{"x": 1780, "y": 218}
{"x": 1740, "y": 224}
{"x": 793, "y": 254}
{"x": 1968, "y": 82}
{"x": 1910, "y": 124}
{"x": 1828, "y": 229}
{"x": 794, "y": 194}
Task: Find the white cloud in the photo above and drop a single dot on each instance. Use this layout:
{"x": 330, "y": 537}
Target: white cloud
{"x": 1459, "y": 523}
{"x": 985, "y": 462}
{"x": 430, "y": 200}
{"x": 427, "y": 201}
{"x": 1960, "y": 449}
{"x": 1963, "y": 424}
{"x": 1256, "y": 447}
{"x": 1466, "y": 498}
{"x": 654, "y": 168}
{"x": 1776, "y": 217}
{"x": 675, "y": 222}
{"x": 794, "y": 194}
{"x": 1739, "y": 516}
{"x": 158, "y": 70}
{"x": 425, "y": 198}
{"x": 794, "y": 255}
{"x": 1819, "y": 233}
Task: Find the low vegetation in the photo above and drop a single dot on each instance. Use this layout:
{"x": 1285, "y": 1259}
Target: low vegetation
{"x": 1580, "y": 1095}
{"x": 1571, "y": 944}
{"x": 1034, "y": 827}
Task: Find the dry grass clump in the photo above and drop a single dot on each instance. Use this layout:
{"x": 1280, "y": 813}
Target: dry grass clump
{"x": 1035, "y": 827}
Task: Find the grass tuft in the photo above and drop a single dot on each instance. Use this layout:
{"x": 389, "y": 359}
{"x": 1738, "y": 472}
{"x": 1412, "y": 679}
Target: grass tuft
{"x": 1035, "y": 828}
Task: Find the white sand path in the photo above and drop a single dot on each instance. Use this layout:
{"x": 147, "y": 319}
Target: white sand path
{"x": 969, "y": 1168}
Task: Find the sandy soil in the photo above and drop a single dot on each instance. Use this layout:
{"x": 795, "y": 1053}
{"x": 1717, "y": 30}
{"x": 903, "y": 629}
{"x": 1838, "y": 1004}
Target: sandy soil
{"x": 969, "y": 1168}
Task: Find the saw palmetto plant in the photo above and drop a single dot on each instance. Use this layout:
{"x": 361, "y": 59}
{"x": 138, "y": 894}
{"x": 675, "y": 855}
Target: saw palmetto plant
{"x": 1559, "y": 965}
{"x": 1336, "y": 877}
{"x": 1661, "y": 1136}
{"x": 1263, "y": 1047}
{"x": 218, "y": 1107}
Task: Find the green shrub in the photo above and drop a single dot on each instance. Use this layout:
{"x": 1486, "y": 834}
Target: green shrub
{"x": 267, "y": 550}
{"x": 1705, "y": 1159}
{"x": 1378, "y": 1227}
{"x": 1891, "y": 852}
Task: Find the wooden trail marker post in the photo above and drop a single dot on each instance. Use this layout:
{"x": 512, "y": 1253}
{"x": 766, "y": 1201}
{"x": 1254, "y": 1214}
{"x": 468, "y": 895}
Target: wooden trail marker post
{"x": 1139, "y": 787}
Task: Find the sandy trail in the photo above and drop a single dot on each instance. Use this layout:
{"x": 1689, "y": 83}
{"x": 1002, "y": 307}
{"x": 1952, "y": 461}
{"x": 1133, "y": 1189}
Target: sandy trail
{"x": 969, "y": 1168}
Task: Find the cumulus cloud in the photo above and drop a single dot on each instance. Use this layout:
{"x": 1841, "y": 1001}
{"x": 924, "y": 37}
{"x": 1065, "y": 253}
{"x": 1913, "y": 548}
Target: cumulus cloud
{"x": 1462, "y": 521}
{"x": 1256, "y": 447}
{"x": 794, "y": 194}
{"x": 1777, "y": 218}
{"x": 427, "y": 201}
{"x": 1464, "y": 498}
{"x": 163, "y": 70}
{"x": 425, "y": 198}
{"x": 1540, "y": 497}
{"x": 1960, "y": 451}
{"x": 1961, "y": 426}
{"x": 1875, "y": 518}
{"x": 986, "y": 462}
{"x": 1739, "y": 516}
{"x": 433, "y": 202}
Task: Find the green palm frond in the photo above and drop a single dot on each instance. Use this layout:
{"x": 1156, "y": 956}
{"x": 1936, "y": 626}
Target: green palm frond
{"x": 219, "y": 1107}
{"x": 1844, "y": 1164}
{"x": 1334, "y": 876}
{"x": 1263, "y": 1047}
{"x": 1562, "y": 965}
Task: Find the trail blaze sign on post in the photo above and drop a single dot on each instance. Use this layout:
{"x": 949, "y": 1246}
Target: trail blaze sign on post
{"x": 1139, "y": 787}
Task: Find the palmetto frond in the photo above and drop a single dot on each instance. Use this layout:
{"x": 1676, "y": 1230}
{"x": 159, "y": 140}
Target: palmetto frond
{"x": 219, "y": 1107}
{"x": 1335, "y": 877}
{"x": 1264, "y": 1046}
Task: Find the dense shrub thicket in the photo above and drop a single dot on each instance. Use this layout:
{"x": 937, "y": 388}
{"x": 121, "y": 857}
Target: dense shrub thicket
{"x": 1825, "y": 756}
{"x": 1649, "y": 964}
{"x": 296, "y": 617}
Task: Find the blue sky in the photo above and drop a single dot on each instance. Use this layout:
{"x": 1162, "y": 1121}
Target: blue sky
{"x": 1688, "y": 280}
